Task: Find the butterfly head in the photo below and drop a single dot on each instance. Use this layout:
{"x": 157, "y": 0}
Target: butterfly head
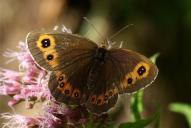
{"x": 106, "y": 44}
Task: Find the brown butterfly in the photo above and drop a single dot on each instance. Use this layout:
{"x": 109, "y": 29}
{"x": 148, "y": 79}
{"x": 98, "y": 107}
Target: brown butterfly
{"x": 84, "y": 73}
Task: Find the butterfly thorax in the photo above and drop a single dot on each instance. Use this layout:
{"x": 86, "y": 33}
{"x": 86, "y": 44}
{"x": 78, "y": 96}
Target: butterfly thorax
{"x": 100, "y": 54}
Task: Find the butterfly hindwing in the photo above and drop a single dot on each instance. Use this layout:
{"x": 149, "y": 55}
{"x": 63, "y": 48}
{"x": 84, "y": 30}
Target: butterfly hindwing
{"x": 136, "y": 71}
{"x": 55, "y": 50}
{"x": 104, "y": 94}
{"x": 64, "y": 91}
{"x": 123, "y": 71}
{"x": 101, "y": 102}
{"x": 69, "y": 84}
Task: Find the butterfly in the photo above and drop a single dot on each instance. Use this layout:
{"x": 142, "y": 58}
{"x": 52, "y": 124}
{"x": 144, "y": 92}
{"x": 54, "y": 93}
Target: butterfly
{"x": 84, "y": 73}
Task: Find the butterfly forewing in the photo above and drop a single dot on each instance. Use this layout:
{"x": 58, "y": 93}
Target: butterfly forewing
{"x": 56, "y": 50}
{"x": 72, "y": 56}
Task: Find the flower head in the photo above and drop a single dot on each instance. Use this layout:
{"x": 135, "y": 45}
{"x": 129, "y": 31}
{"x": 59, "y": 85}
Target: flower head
{"x": 30, "y": 85}
{"x": 19, "y": 121}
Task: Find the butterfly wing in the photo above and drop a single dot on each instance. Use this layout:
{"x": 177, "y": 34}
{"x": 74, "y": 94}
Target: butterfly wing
{"x": 134, "y": 70}
{"x": 104, "y": 95}
{"x": 68, "y": 56}
{"x": 69, "y": 84}
{"x": 124, "y": 71}
{"x": 56, "y": 50}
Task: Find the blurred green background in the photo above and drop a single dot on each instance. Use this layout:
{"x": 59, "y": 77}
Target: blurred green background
{"x": 162, "y": 26}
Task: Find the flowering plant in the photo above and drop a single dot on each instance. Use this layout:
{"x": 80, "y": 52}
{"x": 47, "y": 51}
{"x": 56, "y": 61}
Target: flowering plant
{"x": 29, "y": 85}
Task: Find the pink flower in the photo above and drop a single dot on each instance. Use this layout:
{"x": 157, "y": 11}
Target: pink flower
{"x": 12, "y": 102}
{"x": 30, "y": 85}
{"x": 10, "y": 87}
{"x": 19, "y": 121}
{"x": 9, "y": 74}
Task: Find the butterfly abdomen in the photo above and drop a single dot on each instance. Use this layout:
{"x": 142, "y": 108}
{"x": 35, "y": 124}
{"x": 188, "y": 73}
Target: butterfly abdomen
{"x": 98, "y": 61}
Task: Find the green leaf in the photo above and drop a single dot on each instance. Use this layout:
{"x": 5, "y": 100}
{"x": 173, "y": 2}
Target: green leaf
{"x": 142, "y": 122}
{"x": 157, "y": 124}
{"x": 184, "y": 109}
{"x": 154, "y": 57}
{"x": 136, "y": 104}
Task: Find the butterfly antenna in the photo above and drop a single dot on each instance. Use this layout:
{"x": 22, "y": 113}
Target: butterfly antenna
{"x": 122, "y": 29}
{"x": 85, "y": 18}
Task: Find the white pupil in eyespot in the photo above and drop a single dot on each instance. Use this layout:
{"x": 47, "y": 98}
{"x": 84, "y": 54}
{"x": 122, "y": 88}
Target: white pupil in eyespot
{"x": 45, "y": 43}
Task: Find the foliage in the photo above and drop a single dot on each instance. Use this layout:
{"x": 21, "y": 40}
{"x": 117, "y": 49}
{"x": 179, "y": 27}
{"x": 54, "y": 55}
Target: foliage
{"x": 181, "y": 108}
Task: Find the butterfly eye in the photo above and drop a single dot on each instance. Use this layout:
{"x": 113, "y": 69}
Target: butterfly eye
{"x": 92, "y": 99}
{"x": 106, "y": 97}
{"x": 61, "y": 85}
{"x": 141, "y": 70}
{"x": 45, "y": 43}
{"x": 76, "y": 93}
{"x": 67, "y": 89}
{"x": 99, "y": 101}
{"x": 67, "y": 92}
{"x": 50, "y": 57}
{"x": 130, "y": 80}
{"x": 61, "y": 78}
